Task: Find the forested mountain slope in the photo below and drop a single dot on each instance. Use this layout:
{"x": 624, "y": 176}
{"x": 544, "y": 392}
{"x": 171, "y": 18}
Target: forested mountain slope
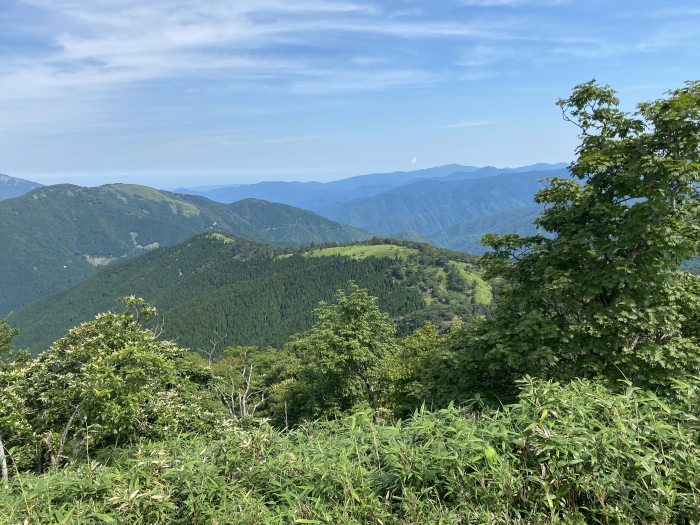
{"x": 467, "y": 235}
{"x": 11, "y": 187}
{"x": 429, "y": 207}
{"x": 56, "y": 236}
{"x": 575, "y": 401}
{"x": 258, "y": 294}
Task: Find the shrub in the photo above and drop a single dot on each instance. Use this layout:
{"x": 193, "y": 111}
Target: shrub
{"x": 564, "y": 453}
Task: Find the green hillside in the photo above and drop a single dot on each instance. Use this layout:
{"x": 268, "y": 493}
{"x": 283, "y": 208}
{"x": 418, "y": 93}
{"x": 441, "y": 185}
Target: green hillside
{"x": 56, "y": 236}
{"x": 258, "y": 294}
{"x": 363, "y": 251}
{"x": 467, "y": 235}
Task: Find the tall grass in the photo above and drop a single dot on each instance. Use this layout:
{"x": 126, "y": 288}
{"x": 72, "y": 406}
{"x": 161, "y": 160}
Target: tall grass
{"x": 574, "y": 453}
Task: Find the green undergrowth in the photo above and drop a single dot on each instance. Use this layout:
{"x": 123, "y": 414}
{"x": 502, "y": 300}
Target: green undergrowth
{"x": 574, "y": 453}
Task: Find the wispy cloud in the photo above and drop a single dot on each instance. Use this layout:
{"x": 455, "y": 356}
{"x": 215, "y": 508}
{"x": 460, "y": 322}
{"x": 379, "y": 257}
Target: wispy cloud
{"x": 107, "y": 43}
{"x": 473, "y": 123}
{"x": 511, "y": 3}
{"x": 482, "y": 55}
{"x": 675, "y": 11}
{"x": 362, "y": 81}
{"x": 102, "y": 45}
{"x": 77, "y": 66}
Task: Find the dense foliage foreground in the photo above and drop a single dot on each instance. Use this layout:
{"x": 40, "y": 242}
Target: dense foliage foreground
{"x": 577, "y": 401}
{"x": 574, "y": 453}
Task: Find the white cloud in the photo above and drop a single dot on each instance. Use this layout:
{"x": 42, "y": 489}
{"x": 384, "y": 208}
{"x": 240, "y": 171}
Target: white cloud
{"x": 97, "y": 49}
{"x": 99, "y": 46}
{"x": 362, "y": 81}
{"x": 482, "y": 55}
{"x": 104, "y": 44}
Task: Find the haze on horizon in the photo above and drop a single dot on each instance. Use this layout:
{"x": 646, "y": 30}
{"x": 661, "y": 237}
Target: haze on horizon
{"x": 192, "y": 92}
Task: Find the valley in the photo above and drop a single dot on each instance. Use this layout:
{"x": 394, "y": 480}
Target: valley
{"x": 58, "y": 236}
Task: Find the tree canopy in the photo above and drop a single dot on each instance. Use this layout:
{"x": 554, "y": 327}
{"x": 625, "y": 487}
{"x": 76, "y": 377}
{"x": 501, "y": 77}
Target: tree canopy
{"x": 342, "y": 354}
{"x": 600, "y": 292}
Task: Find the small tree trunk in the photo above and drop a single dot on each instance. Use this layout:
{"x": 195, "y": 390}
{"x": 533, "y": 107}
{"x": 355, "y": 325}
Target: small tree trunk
{"x": 371, "y": 397}
{"x": 64, "y": 437}
{"x": 3, "y": 462}
{"x": 41, "y": 455}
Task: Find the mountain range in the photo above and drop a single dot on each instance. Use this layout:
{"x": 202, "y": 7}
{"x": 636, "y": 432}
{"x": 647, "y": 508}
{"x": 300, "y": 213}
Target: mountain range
{"x": 251, "y": 293}
{"x": 54, "y": 237}
{"x": 451, "y": 206}
{"x": 318, "y": 196}
{"x": 429, "y": 207}
{"x": 467, "y": 235}
{"x": 323, "y": 196}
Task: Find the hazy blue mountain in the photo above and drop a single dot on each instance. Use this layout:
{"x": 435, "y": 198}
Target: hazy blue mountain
{"x": 542, "y": 166}
{"x": 429, "y": 207}
{"x": 410, "y": 236}
{"x": 489, "y": 171}
{"x": 11, "y": 187}
{"x": 53, "y": 237}
{"x": 317, "y": 196}
{"x": 448, "y": 205}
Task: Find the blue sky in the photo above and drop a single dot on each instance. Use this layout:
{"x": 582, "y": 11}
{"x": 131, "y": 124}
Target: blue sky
{"x": 193, "y": 92}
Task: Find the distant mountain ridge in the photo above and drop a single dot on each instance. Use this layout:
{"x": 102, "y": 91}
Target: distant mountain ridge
{"x": 451, "y": 206}
{"x": 467, "y": 235}
{"x": 11, "y": 187}
{"x": 318, "y": 195}
{"x": 55, "y": 236}
{"x": 321, "y": 196}
{"x": 433, "y": 207}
